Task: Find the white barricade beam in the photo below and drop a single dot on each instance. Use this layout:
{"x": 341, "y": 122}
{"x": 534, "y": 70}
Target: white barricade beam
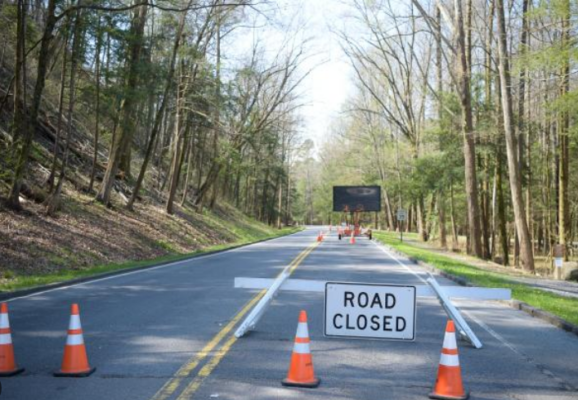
{"x": 303, "y": 285}
{"x": 257, "y": 312}
{"x": 454, "y": 314}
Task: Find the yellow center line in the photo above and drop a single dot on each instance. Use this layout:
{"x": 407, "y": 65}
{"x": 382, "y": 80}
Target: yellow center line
{"x": 207, "y": 369}
{"x": 216, "y": 359}
{"x": 173, "y": 384}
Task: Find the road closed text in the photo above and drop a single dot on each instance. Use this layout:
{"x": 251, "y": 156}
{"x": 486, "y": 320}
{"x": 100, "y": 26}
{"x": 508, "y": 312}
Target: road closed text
{"x": 370, "y": 311}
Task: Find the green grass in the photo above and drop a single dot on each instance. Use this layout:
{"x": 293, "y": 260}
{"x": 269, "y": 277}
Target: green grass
{"x": 563, "y": 307}
{"x": 15, "y": 282}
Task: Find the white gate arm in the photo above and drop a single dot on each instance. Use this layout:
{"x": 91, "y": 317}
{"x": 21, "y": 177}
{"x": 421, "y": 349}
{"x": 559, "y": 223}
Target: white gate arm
{"x": 257, "y": 312}
{"x": 433, "y": 289}
{"x": 303, "y": 285}
{"x": 463, "y": 327}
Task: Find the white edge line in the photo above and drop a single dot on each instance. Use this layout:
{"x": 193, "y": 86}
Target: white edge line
{"x": 482, "y": 324}
{"x": 145, "y": 270}
{"x": 492, "y": 332}
{"x": 382, "y": 248}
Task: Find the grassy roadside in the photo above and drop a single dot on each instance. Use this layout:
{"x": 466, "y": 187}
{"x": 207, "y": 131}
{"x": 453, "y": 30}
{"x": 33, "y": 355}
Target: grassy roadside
{"x": 563, "y": 307}
{"x": 28, "y": 281}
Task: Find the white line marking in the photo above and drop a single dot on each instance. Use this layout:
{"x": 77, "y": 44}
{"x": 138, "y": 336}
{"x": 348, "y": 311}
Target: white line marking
{"x": 399, "y": 262}
{"x": 492, "y": 332}
{"x": 145, "y": 270}
{"x": 495, "y": 334}
{"x": 525, "y": 357}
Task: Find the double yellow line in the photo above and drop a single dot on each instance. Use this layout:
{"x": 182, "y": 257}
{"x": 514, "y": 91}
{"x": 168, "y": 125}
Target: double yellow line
{"x": 173, "y": 384}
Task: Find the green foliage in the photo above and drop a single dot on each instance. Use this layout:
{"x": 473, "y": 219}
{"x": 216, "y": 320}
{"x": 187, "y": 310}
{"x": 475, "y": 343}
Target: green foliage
{"x": 564, "y": 307}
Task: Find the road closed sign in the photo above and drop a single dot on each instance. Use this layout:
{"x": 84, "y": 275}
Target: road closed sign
{"x": 370, "y": 311}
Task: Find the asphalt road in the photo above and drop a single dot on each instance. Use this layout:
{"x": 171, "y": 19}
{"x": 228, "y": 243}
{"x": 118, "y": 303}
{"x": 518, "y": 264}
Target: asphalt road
{"x": 166, "y": 333}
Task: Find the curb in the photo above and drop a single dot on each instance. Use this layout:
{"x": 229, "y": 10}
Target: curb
{"x": 76, "y": 281}
{"x": 515, "y": 304}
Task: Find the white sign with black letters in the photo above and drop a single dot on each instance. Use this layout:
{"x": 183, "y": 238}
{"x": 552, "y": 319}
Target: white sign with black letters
{"x": 401, "y": 214}
{"x": 370, "y": 311}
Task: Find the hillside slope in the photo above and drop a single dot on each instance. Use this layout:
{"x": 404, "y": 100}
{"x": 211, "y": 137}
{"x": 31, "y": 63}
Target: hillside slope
{"x": 35, "y": 248}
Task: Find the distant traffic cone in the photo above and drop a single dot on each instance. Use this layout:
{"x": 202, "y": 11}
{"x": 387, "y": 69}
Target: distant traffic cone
{"x": 301, "y": 372}
{"x": 8, "y": 365}
{"x": 75, "y": 361}
{"x": 352, "y": 240}
{"x": 448, "y": 384}
{"x": 319, "y": 237}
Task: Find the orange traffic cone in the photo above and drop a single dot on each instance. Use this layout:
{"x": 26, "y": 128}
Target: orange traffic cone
{"x": 301, "y": 372}
{"x": 352, "y": 240}
{"x": 8, "y": 365}
{"x": 448, "y": 384}
{"x": 75, "y": 361}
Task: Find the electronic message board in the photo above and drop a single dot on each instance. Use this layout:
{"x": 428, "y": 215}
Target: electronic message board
{"x": 356, "y": 198}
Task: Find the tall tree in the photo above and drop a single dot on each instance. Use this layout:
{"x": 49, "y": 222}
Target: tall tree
{"x": 564, "y": 131}
{"x": 21, "y": 131}
{"x": 25, "y": 149}
{"x": 53, "y": 201}
{"x": 526, "y": 253}
{"x": 128, "y": 105}
{"x": 465, "y": 95}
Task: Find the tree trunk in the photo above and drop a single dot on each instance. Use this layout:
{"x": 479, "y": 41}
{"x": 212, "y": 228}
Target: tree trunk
{"x": 439, "y": 70}
{"x": 563, "y": 139}
{"x": 52, "y": 176}
{"x": 42, "y": 66}
{"x": 159, "y": 115}
{"x": 502, "y": 212}
{"x": 177, "y": 138}
{"x": 127, "y": 124}
{"x": 474, "y": 231}
{"x": 455, "y": 242}
{"x": 190, "y": 155}
{"x": 53, "y": 201}
{"x": 97, "y": 107}
{"x": 526, "y": 254}
{"x": 21, "y": 131}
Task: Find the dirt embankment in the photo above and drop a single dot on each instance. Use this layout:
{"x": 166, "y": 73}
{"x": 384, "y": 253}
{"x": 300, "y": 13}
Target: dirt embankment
{"x": 85, "y": 234}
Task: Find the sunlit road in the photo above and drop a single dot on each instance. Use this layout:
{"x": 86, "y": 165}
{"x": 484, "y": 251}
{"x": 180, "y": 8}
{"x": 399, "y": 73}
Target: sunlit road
{"x": 167, "y": 333}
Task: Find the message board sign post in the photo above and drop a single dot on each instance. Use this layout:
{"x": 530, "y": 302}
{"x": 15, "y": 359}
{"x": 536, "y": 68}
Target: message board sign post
{"x": 370, "y": 311}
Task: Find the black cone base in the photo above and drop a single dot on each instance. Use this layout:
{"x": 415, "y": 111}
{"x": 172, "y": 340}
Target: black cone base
{"x": 310, "y": 385}
{"x": 61, "y": 374}
{"x": 12, "y": 373}
{"x": 440, "y": 397}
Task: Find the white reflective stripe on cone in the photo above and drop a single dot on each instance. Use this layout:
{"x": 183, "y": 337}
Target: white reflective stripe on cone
{"x": 73, "y": 340}
{"x": 450, "y": 360}
{"x": 5, "y": 338}
{"x": 302, "y": 331}
{"x": 4, "y": 321}
{"x": 301, "y": 348}
{"x": 450, "y": 341}
{"x": 74, "y": 322}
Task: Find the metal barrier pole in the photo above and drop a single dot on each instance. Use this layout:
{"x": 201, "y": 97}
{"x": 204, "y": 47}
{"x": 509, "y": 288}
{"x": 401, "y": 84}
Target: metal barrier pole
{"x": 257, "y": 312}
{"x": 454, "y": 314}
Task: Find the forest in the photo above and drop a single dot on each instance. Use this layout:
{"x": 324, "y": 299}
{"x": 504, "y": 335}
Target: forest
{"x": 465, "y": 113}
{"x": 126, "y": 99}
